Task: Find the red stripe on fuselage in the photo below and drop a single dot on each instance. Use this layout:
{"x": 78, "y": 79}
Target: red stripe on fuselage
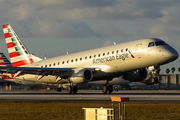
{"x": 10, "y": 44}
{"x": 13, "y": 54}
{"x": 4, "y": 26}
{"x": 21, "y": 63}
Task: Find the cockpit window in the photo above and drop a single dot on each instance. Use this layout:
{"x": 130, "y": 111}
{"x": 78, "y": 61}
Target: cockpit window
{"x": 160, "y": 43}
{"x": 151, "y": 44}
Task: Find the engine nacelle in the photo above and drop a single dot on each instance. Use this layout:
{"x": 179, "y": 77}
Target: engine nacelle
{"x": 81, "y": 76}
{"x": 135, "y": 76}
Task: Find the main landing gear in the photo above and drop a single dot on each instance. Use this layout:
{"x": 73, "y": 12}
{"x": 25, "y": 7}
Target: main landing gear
{"x": 71, "y": 89}
{"x": 107, "y": 88}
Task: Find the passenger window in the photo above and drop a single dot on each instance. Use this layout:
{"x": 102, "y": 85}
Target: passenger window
{"x": 99, "y": 55}
{"x": 41, "y": 66}
{"x": 58, "y": 63}
{"x": 112, "y": 52}
{"x": 151, "y": 44}
{"x": 121, "y": 50}
{"x": 63, "y": 62}
{"x": 67, "y": 61}
{"x": 76, "y": 59}
{"x": 94, "y": 56}
{"x": 85, "y": 58}
{"x": 72, "y": 60}
{"x": 45, "y": 66}
{"x": 117, "y": 51}
{"x": 108, "y": 53}
{"x": 80, "y": 59}
{"x": 89, "y": 57}
{"x": 49, "y": 65}
{"x": 103, "y": 54}
{"x": 54, "y": 64}
{"x": 126, "y": 49}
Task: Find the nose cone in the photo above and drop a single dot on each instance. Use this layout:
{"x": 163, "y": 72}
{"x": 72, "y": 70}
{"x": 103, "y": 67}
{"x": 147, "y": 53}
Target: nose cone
{"x": 171, "y": 54}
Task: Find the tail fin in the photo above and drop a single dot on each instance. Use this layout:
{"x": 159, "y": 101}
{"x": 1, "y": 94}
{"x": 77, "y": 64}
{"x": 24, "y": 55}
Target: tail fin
{"x": 18, "y": 53}
{"x": 4, "y": 61}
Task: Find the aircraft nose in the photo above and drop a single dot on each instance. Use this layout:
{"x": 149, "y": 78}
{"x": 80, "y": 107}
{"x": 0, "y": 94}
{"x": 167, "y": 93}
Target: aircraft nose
{"x": 172, "y": 54}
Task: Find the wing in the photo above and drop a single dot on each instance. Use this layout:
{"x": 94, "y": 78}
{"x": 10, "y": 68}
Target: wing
{"x": 37, "y": 71}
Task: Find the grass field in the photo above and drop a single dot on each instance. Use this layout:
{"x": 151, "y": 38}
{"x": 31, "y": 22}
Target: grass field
{"x": 74, "y": 111}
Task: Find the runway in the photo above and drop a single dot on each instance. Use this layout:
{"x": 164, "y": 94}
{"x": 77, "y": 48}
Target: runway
{"x": 154, "y": 96}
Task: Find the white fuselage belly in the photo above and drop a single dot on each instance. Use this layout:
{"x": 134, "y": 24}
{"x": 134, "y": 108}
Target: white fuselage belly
{"x": 111, "y": 65}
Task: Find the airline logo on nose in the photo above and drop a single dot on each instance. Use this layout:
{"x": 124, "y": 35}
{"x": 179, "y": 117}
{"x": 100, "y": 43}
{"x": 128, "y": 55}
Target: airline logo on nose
{"x": 131, "y": 54}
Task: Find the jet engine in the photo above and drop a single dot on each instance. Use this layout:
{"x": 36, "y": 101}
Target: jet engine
{"x": 135, "y": 76}
{"x": 81, "y": 76}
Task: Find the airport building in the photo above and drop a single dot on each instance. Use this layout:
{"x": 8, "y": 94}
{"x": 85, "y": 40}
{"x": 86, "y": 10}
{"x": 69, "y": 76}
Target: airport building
{"x": 168, "y": 82}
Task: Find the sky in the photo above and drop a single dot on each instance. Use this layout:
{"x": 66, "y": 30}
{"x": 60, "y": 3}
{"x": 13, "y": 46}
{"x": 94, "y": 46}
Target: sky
{"x": 53, "y": 27}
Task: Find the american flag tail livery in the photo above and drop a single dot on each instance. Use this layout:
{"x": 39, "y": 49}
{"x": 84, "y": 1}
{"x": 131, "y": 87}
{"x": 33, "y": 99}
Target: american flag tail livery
{"x": 18, "y": 53}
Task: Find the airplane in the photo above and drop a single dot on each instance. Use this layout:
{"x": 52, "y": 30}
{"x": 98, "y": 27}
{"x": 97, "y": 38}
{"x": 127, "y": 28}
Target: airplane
{"x": 129, "y": 60}
{"x": 115, "y": 81}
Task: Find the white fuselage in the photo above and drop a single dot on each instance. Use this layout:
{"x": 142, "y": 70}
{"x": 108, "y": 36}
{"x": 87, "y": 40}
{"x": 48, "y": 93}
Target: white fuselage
{"x": 112, "y": 61}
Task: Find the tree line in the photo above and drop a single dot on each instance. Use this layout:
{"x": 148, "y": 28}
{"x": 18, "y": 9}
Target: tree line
{"x": 172, "y": 70}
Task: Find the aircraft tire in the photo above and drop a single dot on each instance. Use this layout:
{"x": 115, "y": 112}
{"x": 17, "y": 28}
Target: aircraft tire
{"x": 110, "y": 89}
{"x": 104, "y": 89}
{"x": 69, "y": 89}
{"x": 74, "y": 91}
{"x": 58, "y": 89}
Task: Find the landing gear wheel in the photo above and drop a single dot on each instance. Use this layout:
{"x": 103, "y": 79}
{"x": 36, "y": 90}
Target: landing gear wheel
{"x": 110, "y": 89}
{"x": 69, "y": 89}
{"x": 58, "y": 89}
{"x": 104, "y": 89}
{"x": 74, "y": 91}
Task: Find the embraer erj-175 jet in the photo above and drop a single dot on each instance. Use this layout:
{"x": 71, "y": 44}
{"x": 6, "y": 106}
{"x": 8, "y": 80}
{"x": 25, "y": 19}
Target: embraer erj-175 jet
{"x": 115, "y": 81}
{"x": 129, "y": 60}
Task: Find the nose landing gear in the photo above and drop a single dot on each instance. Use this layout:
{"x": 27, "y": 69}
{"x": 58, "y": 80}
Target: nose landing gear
{"x": 155, "y": 74}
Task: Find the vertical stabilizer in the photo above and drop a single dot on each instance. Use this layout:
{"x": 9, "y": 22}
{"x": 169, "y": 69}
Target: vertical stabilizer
{"x": 18, "y": 53}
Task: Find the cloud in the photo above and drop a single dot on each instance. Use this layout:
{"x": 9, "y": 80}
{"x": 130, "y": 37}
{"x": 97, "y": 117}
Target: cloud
{"x": 92, "y": 18}
{"x": 107, "y": 43}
